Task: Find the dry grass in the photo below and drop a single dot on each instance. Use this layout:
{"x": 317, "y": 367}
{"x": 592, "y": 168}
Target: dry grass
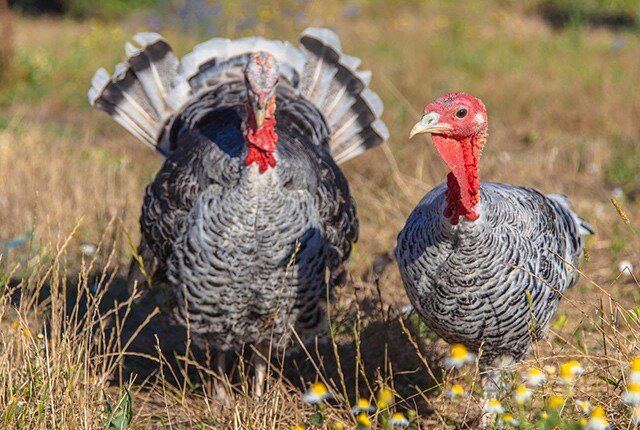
{"x": 563, "y": 110}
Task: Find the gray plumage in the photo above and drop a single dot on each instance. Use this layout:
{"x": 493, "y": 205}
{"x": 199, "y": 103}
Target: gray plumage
{"x": 242, "y": 256}
{"x": 493, "y": 283}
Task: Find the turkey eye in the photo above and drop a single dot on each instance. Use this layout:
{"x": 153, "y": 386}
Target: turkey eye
{"x": 461, "y": 113}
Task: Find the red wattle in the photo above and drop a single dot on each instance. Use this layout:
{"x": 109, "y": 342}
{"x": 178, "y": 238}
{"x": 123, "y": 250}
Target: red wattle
{"x": 264, "y": 159}
{"x": 463, "y": 182}
{"x": 261, "y": 145}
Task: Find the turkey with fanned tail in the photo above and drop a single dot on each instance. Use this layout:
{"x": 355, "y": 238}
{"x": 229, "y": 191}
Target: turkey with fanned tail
{"x": 249, "y": 222}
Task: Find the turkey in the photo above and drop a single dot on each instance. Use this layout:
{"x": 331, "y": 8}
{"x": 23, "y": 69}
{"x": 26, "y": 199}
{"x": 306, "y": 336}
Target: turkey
{"x": 485, "y": 264}
{"x": 248, "y": 224}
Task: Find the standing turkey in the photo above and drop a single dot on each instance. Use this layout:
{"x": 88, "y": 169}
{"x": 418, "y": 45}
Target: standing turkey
{"x": 485, "y": 264}
{"x": 250, "y": 220}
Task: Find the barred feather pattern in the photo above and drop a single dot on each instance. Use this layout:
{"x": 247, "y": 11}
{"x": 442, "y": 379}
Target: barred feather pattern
{"x": 496, "y": 282}
{"x": 152, "y": 86}
{"x": 243, "y": 255}
{"x": 237, "y": 256}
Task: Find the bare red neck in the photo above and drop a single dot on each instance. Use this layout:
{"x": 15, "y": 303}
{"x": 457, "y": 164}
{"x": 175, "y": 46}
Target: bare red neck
{"x": 261, "y": 142}
{"x": 463, "y": 182}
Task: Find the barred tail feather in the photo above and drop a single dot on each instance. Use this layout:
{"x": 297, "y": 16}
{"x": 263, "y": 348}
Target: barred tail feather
{"x": 137, "y": 94}
{"x": 332, "y": 82}
{"x": 148, "y": 89}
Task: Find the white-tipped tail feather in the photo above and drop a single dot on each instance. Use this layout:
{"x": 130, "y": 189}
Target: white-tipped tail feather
{"x": 332, "y": 82}
{"x": 137, "y": 94}
{"x": 148, "y": 89}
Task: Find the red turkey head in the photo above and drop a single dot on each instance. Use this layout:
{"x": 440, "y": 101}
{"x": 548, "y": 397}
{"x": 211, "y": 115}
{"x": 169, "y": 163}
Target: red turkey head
{"x": 261, "y": 78}
{"x": 458, "y": 126}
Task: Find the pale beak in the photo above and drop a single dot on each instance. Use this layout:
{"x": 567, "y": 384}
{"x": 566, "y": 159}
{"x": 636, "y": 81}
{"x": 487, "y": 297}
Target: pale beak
{"x": 429, "y": 124}
{"x": 261, "y": 109}
{"x": 260, "y": 114}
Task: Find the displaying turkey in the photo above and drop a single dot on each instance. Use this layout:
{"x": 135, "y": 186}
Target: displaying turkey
{"x": 250, "y": 220}
{"x": 485, "y": 264}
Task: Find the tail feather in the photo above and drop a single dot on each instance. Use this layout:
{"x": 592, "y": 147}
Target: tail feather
{"x": 137, "y": 94}
{"x": 109, "y": 96}
{"x": 361, "y": 142}
{"x": 210, "y": 61}
{"x": 152, "y": 85}
{"x": 332, "y": 82}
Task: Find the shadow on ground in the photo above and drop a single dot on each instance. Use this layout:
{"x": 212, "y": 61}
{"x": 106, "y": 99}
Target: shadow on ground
{"x": 364, "y": 362}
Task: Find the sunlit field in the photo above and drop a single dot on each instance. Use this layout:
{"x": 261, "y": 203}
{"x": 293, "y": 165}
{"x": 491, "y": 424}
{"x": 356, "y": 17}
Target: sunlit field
{"x": 78, "y": 351}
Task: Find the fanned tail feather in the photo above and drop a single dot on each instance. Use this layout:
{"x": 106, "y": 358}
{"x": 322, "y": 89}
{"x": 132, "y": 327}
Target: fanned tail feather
{"x": 332, "y": 82}
{"x": 137, "y": 94}
{"x": 148, "y": 89}
{"x": 211, "y": 62}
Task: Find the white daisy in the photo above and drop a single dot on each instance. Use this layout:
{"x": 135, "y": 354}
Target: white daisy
{"x": 398, "y": 420}
{"x": 534, "y": 377}
{"x": 522, "y": 395}
{"x": 509, "y": 420}
{"x": 459, "y": 356}
{"x": 570, "y": 370}
{"x": 597, "y": 420}
{"x": 317, "y": 393}
{"x": 494, "y": 406}
{"x": 362, "y": 406}
{"x": 632, "y": 395}
{"x": 455, "y": 391}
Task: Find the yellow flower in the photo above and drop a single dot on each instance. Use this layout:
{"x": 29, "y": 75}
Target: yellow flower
{"x": 362, "y": 407}
{"x": 14, "y": 401}
{"x": 15, "y": 324}
{"x": 399, "y": 420}
{"x": 317, "y": 393}
{"x": 570, "y": 370}
{"x": 544, "y": 415}
{"x": 494, "y": 406}
{"x": 455, "y": 391}
{"x": 522, "y": 395}
{"x": 534, "y": 377}
{"x": 385, "y": 398}
{"x": 459, "y": 356}
{"x": 509, "y": 420}
{"x": 26, "y": 332}
{"x": 634, "y": 371}
{"x": 555, "y": 402}
{"x": 363, "y": 421}
{"x": 297, "y": 427}
{"x": 597, "y": 420}
{"x": 632, "y": 396}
